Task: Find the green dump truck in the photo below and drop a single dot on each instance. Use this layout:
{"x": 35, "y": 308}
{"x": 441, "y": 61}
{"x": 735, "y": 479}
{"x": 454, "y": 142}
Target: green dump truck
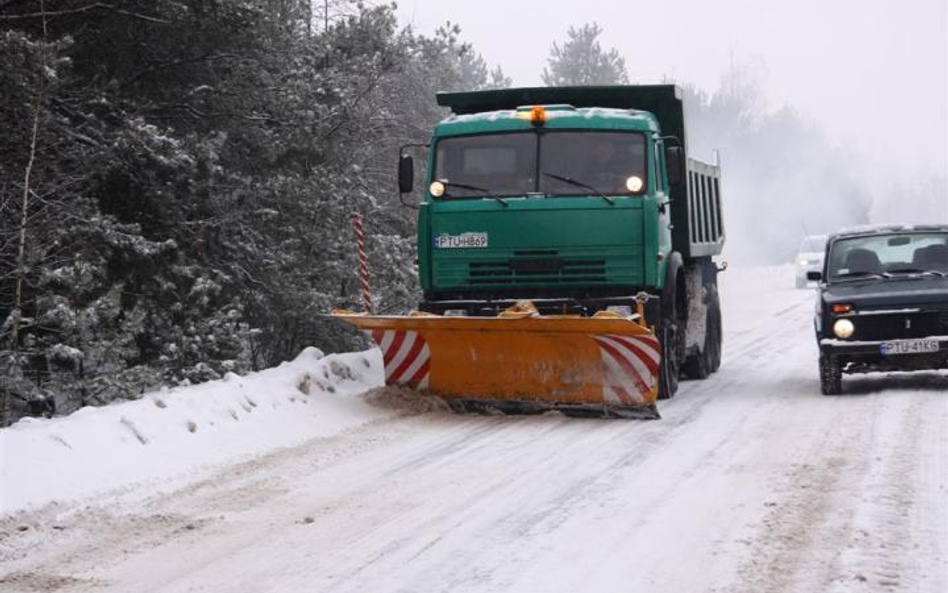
{"x": 581, "y": 200}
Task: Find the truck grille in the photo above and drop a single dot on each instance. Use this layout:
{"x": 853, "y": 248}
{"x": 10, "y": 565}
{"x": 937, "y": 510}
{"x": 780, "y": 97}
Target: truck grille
{"x": 898, "y": 326}
{"x": 536, "y": 271}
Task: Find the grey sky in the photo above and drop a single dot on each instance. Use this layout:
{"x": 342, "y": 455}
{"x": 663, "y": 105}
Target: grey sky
{"x": 872, "y": 73}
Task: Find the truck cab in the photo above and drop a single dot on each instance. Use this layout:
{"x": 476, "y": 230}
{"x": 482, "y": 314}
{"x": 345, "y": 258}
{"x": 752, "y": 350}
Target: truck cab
{"x": 544, "y": 202}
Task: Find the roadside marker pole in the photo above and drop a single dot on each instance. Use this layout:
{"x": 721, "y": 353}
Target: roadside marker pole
{"x": 356, "y": 219}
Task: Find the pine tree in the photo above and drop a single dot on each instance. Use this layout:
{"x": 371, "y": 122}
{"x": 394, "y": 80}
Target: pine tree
{"x": 582, "y": 61}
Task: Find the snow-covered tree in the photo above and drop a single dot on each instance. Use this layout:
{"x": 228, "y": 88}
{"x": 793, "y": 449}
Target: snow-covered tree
{"x": 191, "y": 183}
{"x": 581, "y": 60}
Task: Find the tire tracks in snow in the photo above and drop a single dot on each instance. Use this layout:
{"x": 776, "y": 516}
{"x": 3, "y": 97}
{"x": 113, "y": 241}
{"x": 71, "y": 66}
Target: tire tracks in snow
{"x": 844, "y": 520}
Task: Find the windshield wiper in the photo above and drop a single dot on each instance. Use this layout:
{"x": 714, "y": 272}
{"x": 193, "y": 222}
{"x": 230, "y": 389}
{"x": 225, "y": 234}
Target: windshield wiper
{"x": 916, "y": 271}
{"x": 579, "y": 184}
{"x": 483, "y": 190}
{"x": 857, "y": 275}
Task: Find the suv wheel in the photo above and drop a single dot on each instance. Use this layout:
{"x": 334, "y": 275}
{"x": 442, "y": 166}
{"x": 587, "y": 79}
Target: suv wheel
{"x": 831, "y": 375}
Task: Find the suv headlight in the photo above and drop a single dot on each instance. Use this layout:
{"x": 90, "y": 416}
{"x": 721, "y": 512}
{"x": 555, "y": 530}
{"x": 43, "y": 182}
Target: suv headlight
{"x": 843, "y": 328}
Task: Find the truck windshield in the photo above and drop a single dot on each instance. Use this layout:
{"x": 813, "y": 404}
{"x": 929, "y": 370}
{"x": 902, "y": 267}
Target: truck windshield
{"x": 507, "y": 165}
{"x": 888, "y": 255}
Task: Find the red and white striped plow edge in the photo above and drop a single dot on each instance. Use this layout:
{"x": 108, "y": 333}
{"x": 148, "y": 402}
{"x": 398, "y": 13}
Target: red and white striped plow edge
{"x": 631, "y": 366}
{"x": 406, "y": 357}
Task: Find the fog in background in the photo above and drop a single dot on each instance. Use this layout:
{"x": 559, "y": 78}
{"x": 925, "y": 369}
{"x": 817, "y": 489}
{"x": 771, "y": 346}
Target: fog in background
{"x": 826, "y": 114}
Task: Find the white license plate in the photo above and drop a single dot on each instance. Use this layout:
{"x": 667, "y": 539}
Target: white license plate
{"x": 909, "y": 347}
{"x": 462, "y": 241}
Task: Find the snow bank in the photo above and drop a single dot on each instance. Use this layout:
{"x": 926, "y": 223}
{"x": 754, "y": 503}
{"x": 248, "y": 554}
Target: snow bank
{"x": 172, "y": 432}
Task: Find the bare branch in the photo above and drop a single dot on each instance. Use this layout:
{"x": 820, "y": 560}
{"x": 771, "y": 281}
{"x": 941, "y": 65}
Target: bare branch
{"x": 166, "y": 65}
{"x": 198, "y": 114}
{"x": 89, "y": 8}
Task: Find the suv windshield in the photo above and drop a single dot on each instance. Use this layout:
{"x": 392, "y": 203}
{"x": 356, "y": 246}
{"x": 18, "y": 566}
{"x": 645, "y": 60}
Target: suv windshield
{"x": 506, "y": 164}
{"x": 895, "y": 253}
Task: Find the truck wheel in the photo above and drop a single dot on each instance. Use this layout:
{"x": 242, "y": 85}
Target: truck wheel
{"x": 672, "y": 346}
{"x": 707, "y": 361}
{"x": 714, "y": 310}
{"x": 698, "y": 366}
{"x": 670, "y": 327}
{"x": 668, "y": 369}
{"x": 831, "y": 375}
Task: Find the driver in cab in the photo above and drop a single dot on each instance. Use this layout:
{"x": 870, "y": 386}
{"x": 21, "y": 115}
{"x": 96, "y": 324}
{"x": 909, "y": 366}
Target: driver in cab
{"x": 612, "y": 170}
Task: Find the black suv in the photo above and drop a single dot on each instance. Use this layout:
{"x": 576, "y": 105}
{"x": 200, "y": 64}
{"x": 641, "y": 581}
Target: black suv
{"x": 883, "y": 302}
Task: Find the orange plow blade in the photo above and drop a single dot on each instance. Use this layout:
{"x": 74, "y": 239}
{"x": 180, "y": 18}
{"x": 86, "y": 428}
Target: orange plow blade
{"x": 605, "y": 365}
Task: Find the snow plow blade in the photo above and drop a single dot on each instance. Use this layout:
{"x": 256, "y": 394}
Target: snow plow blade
{"x": 606, "y": 365}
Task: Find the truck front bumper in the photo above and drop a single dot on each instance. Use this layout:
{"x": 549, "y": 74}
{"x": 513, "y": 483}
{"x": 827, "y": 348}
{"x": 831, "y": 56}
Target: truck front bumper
{"x": 579, "y": 305}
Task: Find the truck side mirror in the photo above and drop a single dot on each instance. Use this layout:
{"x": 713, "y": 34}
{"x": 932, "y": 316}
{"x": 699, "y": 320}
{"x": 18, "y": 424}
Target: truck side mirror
{"x": 406, "y": 174}
{"x": 675, "y": 163}
{"x": 814, "y": 276}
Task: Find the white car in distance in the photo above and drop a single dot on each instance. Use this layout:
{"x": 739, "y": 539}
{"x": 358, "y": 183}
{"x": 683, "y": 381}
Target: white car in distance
{"x": 809, "y": 257}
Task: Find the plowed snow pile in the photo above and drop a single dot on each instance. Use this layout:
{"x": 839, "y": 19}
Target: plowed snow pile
{"x": 403, "y": 398}
{"x": 170, "y": 433}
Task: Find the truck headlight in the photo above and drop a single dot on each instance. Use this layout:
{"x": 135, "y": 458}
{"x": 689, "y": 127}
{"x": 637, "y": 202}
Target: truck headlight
{"x": 436, "y": 188}
{"x": 843, "y": 328}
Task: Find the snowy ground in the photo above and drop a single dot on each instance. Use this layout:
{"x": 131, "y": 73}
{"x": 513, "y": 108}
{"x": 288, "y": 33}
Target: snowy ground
{"x": 165, "y": 437}
{"x": 752, "y": 481}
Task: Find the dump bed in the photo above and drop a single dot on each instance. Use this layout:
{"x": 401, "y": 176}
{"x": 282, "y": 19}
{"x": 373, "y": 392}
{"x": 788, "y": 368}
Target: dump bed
{"x": 699, "y": 228}
{"x": 698, "y": 225}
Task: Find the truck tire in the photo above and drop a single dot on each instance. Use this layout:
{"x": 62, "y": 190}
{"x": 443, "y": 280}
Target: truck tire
{"x": 672, "y": 337}
{"x": 668, "y": 369}
{"x": 701, "y": 364}
{"x": 670, "y": 326}
{"x": 698, "y": 366}
{"x": 717, "y": 335}
{"x": 831, "y": 375}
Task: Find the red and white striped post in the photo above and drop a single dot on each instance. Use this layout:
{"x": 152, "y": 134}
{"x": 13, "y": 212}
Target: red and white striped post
{"x": 356, "y": 219}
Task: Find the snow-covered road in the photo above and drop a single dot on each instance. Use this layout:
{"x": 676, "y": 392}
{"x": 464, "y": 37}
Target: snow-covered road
{"x": 752, "y": 481}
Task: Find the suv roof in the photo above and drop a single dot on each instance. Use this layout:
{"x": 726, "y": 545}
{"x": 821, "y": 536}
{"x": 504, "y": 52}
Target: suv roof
{"x": 882, "y": 229}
